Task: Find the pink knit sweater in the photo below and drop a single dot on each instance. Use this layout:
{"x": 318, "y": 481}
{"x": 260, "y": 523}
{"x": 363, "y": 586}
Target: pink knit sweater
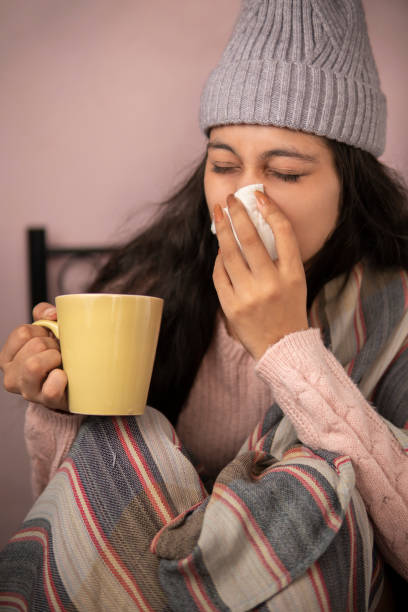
{"x": 311, "y": 387}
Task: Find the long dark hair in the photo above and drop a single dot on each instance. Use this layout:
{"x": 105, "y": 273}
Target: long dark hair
{"x": 174, "y": 256}
{"x": 373, "y": 219}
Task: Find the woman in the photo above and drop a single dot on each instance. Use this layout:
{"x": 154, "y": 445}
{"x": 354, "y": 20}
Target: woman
{"x": 295, "y": 105}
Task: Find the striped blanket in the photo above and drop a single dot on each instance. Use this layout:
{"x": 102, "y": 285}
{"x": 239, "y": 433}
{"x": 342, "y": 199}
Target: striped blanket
{"x": 128, "y": 524}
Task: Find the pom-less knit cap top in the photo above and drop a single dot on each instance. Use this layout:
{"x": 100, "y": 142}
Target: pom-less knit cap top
{"x": 301, "y": 64}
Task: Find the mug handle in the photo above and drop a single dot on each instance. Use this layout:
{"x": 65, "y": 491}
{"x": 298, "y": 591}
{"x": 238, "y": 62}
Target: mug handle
{"x": 52, "y": 325}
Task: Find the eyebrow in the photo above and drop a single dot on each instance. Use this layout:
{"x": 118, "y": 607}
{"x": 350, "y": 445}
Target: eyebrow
{"x": 294, "y": 153}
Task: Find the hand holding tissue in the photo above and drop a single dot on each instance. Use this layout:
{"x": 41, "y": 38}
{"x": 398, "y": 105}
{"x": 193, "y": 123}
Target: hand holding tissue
{"x": 247, "y": 196}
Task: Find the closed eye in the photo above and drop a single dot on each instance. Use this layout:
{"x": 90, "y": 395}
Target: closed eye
{"x": 223, "y": 169}
{"x": 287, "y": 177}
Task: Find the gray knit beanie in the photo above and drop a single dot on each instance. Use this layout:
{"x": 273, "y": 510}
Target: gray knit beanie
{"x": 300, "y": 64}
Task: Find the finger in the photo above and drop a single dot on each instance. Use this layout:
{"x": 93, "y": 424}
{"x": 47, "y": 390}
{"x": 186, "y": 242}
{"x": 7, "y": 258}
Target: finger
{"x": 53, "y": 392}
{"x": 17, "y": 339}
{"x": 256, "y": 255}
{"x": 285, "y": 238}
{"x": 221, "y": 281}
{"x": 15, "y": 369}
{"x": 234, "y": 263}
{"x": 35, "y": 371}
{"x": 44, "y": 310}
{"x": 36, "y": 345}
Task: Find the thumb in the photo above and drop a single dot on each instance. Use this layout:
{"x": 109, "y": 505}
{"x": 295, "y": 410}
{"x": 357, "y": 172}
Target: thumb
{"x": 44, "y": 310}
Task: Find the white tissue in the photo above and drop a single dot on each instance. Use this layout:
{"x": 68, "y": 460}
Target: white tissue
{"x": 247, "y": 196}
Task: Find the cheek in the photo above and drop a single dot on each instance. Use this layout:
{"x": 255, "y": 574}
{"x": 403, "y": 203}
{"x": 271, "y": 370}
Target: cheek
{"x": 208, "y": 192}
{"x": 215, "y": 189}
{"x": 313, "y": 215}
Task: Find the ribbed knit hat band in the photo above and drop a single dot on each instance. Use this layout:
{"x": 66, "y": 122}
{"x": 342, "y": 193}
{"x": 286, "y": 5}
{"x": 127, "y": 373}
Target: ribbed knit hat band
{"x": 301, "y": 64}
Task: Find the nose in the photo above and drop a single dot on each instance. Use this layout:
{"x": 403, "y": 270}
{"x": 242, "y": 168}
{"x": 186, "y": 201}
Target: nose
{"x": 250, "y": 177}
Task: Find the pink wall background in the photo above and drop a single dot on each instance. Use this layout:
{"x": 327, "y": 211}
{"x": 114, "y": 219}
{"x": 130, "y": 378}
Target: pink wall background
{"x": 99, "y": 105}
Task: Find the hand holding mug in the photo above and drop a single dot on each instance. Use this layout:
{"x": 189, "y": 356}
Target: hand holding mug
{"x": 31, "y": 363}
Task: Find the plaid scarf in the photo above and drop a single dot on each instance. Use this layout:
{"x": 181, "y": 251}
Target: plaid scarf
{"x": 127, "y": 523}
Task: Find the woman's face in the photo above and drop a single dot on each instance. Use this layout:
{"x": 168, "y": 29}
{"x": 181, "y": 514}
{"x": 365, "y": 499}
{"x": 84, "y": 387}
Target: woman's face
{"x": 296, "y": 169}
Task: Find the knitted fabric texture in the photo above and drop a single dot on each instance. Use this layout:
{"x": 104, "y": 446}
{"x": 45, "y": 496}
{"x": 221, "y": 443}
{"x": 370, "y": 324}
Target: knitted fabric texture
{"x": 301, "y": 64}
{"x": 127, "y": 523}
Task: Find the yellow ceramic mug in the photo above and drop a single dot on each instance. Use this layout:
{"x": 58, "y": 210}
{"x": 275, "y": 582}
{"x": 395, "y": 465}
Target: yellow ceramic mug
{"x": 108, "y": 345}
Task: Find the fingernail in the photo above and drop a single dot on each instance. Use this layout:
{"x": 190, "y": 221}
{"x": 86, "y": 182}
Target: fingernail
{"x": 231, "y": 200}
{"x": 50, "y": 312}
{"x": 260, "y": 197}
{"x": 218, "y": 214}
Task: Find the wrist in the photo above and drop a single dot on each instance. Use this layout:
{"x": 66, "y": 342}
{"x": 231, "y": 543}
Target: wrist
{"x": 260, "y": 350}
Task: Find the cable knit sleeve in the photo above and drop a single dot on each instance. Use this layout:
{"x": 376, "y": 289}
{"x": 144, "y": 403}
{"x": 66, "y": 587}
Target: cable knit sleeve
{"x": 328, "y": 411}
{"x": 48, "y": 436}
